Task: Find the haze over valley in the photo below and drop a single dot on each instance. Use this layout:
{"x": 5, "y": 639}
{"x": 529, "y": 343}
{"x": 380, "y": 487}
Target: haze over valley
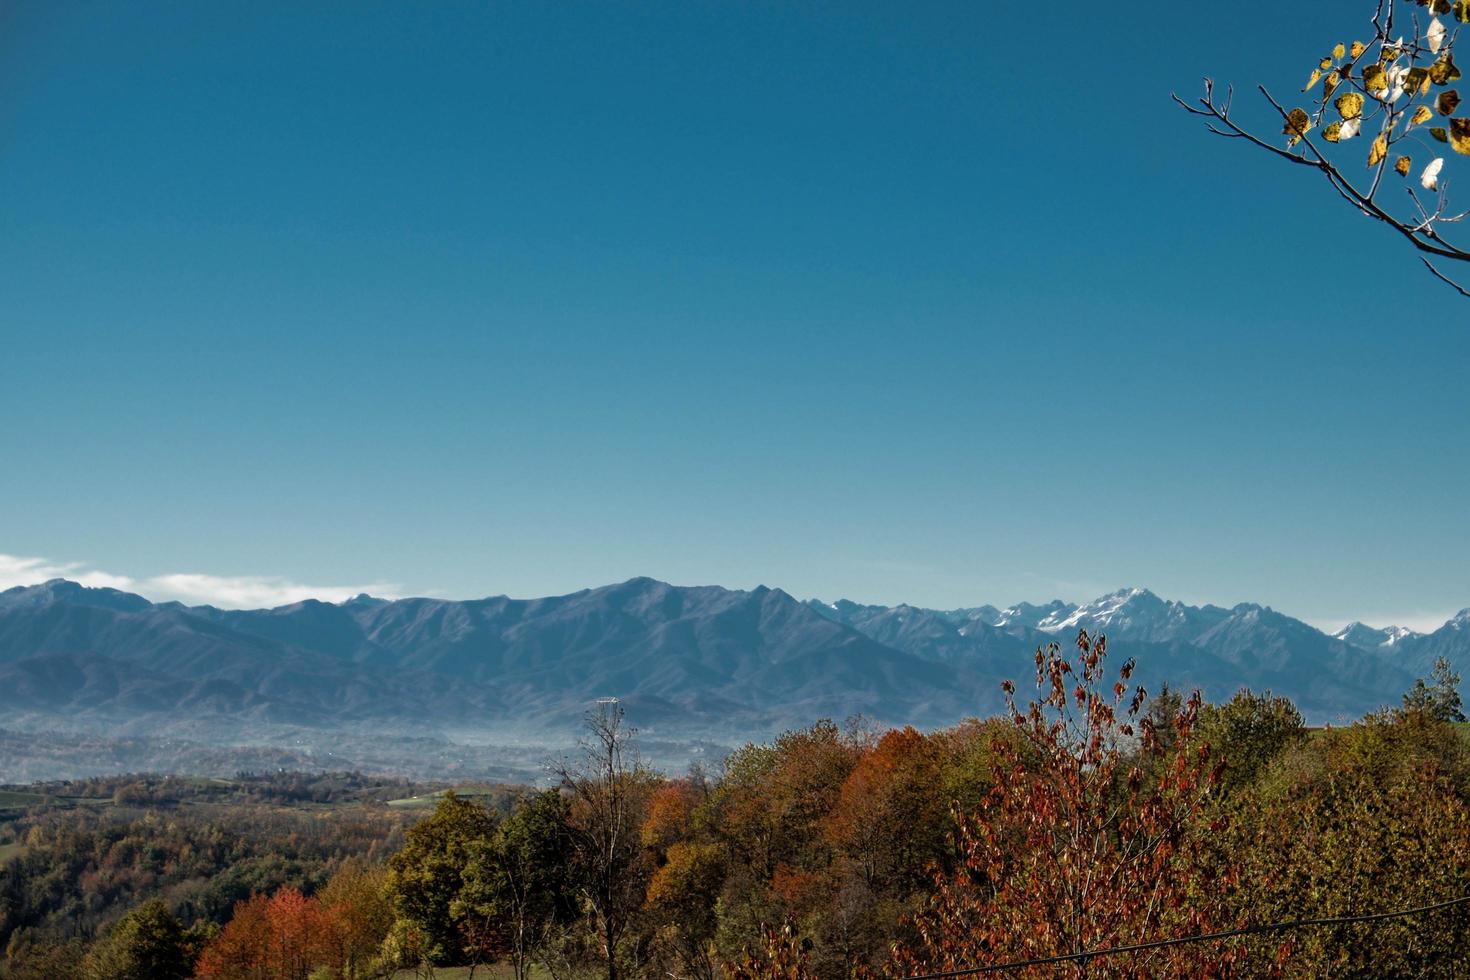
{"x": 96, "y": 680}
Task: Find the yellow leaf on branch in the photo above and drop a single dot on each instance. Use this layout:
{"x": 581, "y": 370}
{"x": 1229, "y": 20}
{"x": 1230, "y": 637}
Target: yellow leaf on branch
{"x": 1460, "y": 136}
{"x": 1349, "y": 105}
{"x": 1444, "y": 71}
{"x": 1297, "y": 124}
{"x": 1375, "y": 79}
{"x": 1379, "y": 150}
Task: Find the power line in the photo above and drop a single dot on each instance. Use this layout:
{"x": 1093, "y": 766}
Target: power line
{"x": 1206, "y": 937}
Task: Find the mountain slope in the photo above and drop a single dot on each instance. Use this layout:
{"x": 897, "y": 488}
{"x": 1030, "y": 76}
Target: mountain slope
{"x": 1137, "y": 614}
{"x": 1451, "y": 641}
{"x": 949, "y": 637}
{"x": 1216, "y": 649}
{"x": 680, "y": 657}
{"x": 685, "y": 659}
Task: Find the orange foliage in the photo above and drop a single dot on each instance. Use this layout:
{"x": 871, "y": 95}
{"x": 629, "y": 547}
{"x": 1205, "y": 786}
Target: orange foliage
{"x": 283, "y": 937}
{"x": 891, "y": 816}
{"x": 1076, "y": 850}
{"x": 671, "y": 813}
{"x": 799, "y": 889}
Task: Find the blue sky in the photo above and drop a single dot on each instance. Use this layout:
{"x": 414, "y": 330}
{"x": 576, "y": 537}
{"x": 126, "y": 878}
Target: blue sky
{"x": 938, "y": 303}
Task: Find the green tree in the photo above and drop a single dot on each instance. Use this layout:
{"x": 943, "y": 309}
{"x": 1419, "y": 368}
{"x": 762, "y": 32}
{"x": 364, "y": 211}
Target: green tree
{"x": 425, "y": 879}
{"x": 522, "y": 880}
{"x": 1248, "y": 731}
{"x": 1440, "y": 697}
{"x": 29, "y": 956}
{"x": 146, "y": 944}
{"x": 1358, "y": 820}
{"x": 1163, "y": 708}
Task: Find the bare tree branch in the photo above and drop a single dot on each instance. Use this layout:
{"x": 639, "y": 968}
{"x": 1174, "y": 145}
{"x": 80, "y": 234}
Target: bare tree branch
{"x": 1443, "y": 278}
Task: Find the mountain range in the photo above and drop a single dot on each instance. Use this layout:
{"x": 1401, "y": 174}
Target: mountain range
{"x": 686, "y": 661}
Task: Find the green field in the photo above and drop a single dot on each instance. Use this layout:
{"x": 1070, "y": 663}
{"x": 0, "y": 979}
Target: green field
{"x": 428, "y": 801}
{"x": 11, "y": 800}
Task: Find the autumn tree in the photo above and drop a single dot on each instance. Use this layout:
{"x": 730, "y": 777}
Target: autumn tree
{"x": 690, "y": 865}
{"x": 683, "y": 904}
{"x": 281, "y": 937}
{"x": 781, "y": 954}
{"x": 1393, "y": 91}
{"x": 1076, "y": 849}
{"x": 357, "y": 899}
{"x": 302, "y": 935}
{"x": 771, "y": 810}
{"x": 677, "y": 811}
{"x": 773, "y": 801}
{"x": 239, "y": 951}
{"x": 890, "y": 819}
{"x": 608, "y": 790}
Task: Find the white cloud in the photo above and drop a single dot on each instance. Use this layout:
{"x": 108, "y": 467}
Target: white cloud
{"x": 228, "y": 592}
{"x": 15, "y": 570}
{"x": 254, "y": 591}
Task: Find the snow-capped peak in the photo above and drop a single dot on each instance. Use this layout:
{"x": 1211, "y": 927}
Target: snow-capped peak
{"x": 1029, "y": 615}
{"x": 1368, "y": 637}
{"x": 1103, "y": 611}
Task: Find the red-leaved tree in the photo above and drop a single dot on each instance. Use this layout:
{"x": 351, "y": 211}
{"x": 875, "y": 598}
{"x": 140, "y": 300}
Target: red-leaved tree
{"x": 780, "y": 955}
{"x": 283, "y": 937}
{"x": 1095, "y": 835}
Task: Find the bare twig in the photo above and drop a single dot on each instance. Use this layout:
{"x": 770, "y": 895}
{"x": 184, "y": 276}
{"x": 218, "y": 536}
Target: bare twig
{"x": 1444, "y": 278}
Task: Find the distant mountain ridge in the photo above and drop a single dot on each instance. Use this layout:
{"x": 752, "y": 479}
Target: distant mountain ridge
{"x": 686, "y": 660}
{"x": 694, "y": 657}
{"x": 1217, "y": 649}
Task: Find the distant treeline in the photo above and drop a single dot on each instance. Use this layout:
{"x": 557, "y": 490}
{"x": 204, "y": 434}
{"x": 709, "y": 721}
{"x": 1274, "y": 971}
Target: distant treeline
{"x": 1091, "y": 815}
